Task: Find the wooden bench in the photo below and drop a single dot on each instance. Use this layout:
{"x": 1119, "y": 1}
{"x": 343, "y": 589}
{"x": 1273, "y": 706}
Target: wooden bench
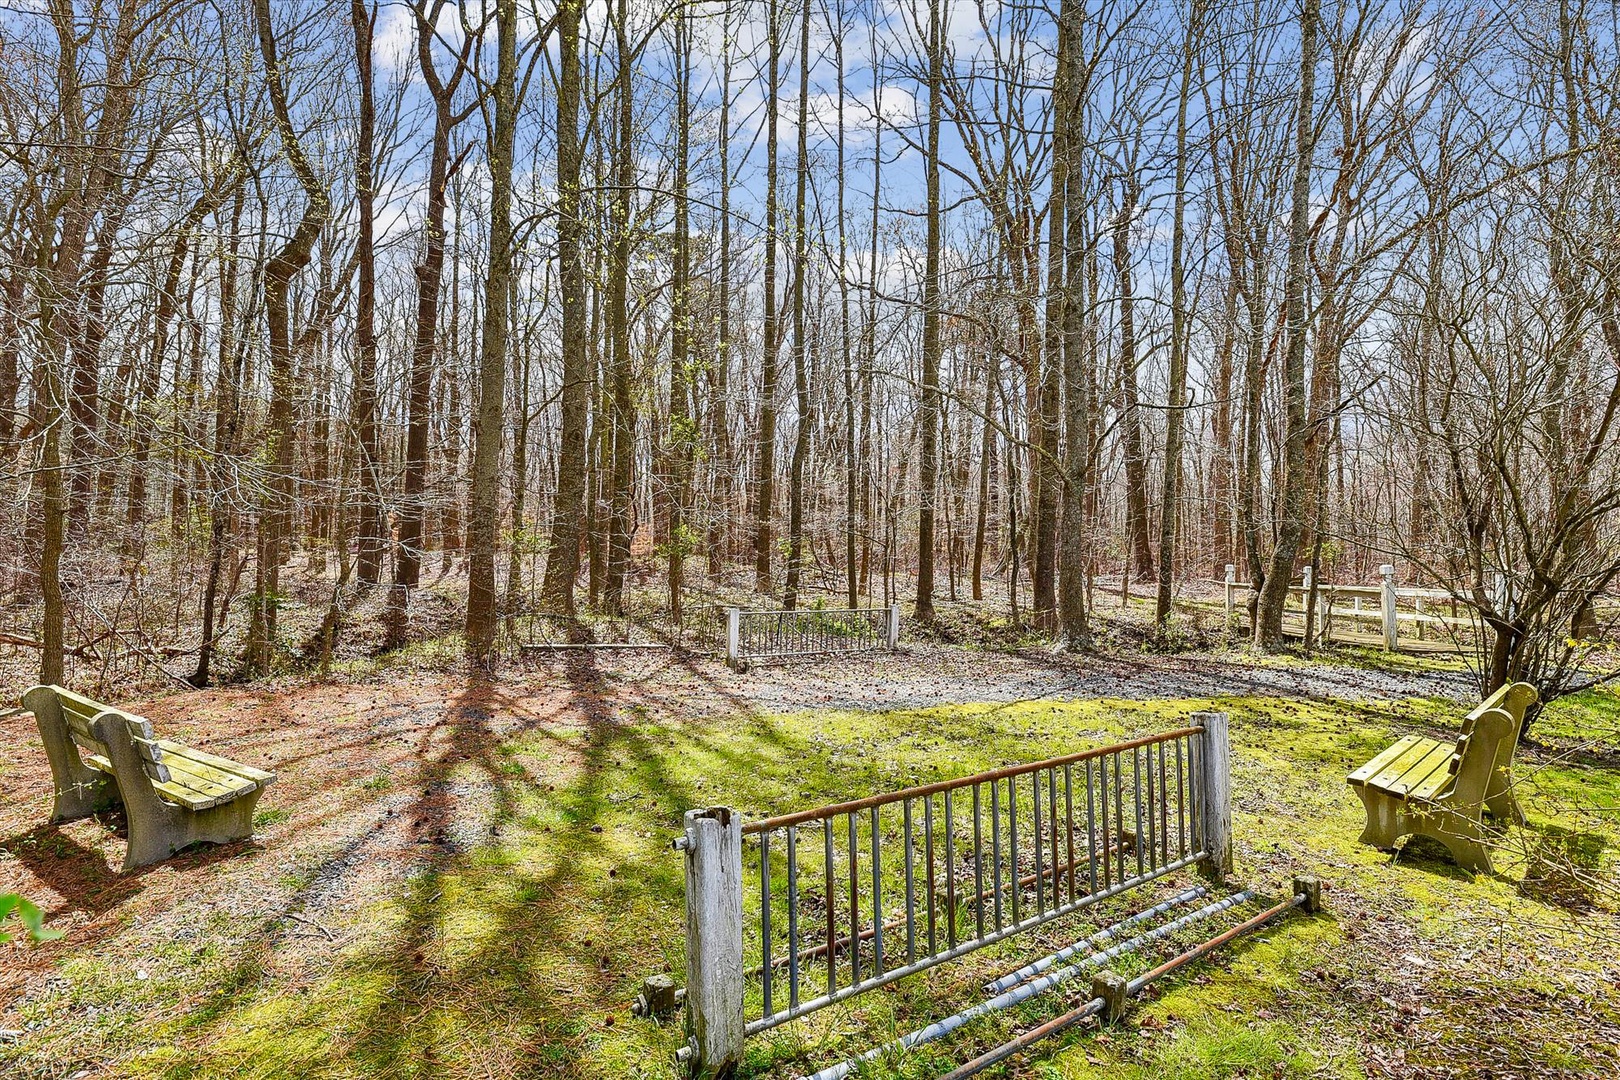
{"x": 173, "y": 795}
{"x": 1438, "y": 789}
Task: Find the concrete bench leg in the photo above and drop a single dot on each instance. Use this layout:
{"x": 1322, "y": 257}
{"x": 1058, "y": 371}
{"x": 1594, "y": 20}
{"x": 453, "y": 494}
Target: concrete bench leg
{"x": 1386, "y": 820}
{"x": 1463, "y": 836}
{"x": 80, "y": 790}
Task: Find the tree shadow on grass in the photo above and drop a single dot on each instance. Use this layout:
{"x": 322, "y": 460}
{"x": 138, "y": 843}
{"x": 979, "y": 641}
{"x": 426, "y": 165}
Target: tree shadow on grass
{"x": 517, "y": 951}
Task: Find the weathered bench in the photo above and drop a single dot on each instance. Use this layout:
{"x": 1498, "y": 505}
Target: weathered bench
{"x": 1439, "y": 789}
{"x": 173, "y": 795}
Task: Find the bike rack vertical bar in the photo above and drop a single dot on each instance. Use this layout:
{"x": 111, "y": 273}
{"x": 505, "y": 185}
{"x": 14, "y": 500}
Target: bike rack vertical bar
{"x": 928, "y": 851}
{"x": 911, "y": 889}
{"x": 950, "y": 874}
{"x": 793, "y": 915}
{"x": 854, "y": 906}
{"x": 877, "y": 896}
{"x": 995, "y": 851}
{"x": 767, "y": 969}
{"x": 832, "y": 918}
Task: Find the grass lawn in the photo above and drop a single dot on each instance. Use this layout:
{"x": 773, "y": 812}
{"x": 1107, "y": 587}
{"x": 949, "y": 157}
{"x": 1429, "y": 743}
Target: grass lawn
{"x": 471, "y": 880}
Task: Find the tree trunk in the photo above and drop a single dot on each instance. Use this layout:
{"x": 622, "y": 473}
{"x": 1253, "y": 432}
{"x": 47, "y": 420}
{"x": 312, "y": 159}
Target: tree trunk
{"x": 801, "y": 377}
{"x": 429, "y": 279}
{"x": 1291, "y": 502}
{"x": 368, "y": 563}
{"x": 1130, "y": 421}
{"x": 568, "y": 509}
{"x": 275, "y": 519}
{"x": 1175, "y": 415}
{"x": 620, "y": 498}
{"x": 765, "y": 457}
{"x": 928, "y": 413}
{"x": 483, "y": 515}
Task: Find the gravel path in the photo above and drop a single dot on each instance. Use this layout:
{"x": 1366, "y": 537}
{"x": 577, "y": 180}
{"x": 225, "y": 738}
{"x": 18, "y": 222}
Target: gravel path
{"x": 925, "y": 675}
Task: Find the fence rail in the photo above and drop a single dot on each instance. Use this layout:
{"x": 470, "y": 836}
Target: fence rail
{"x": 789, "y": 914}
{"x": 782, "y": 635}
{"x": 1385, "y": 614}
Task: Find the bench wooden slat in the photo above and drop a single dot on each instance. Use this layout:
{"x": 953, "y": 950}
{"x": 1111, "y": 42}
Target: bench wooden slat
{"x": 184, "y": 788}
{"x": 202, "y": 757}
{"x": 1436, "y": 761}
{"x": 1413, "y": 756}
{"x": 79, "y": 711}
{"x": 199, "y": 790}
{"x": 1385, "y": 756}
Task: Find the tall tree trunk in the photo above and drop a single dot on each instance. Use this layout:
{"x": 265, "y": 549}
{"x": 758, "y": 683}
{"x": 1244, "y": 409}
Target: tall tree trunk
{"x": 720, "y": 532}
{"x": 483, "y": 513}
{"x": 1175, "y": 414}
{"x": 368, "y": 563}
{"x": 1291, "y": 502}
{"x": 680, "y": 377}
{"x": 852, "y": 582}
{"x": 928, "y": 413}
{"x": 227, "y": 420}
{"x": 429, "y": 280}
{"x": 1069, "y": 138}
{"x": 765, "y": 457}
{"x": 275, "y": 520}
{"x": 1130, "y": 435}
{"x": 620, "y": 498}
{"x": 568, "y": 509}
{"x": 801, "y": 377}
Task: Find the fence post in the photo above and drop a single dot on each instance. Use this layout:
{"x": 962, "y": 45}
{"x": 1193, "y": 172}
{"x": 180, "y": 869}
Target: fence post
{"x": 734, "y": 638}
{"x": 1214, "y": 786}
{"x": 1391, "y": 629}
{"x": 891, "y": 629}
{"x": 1307, "y": 608}
{"x": 1231, "y": 588}
{"x": 714, "y": 941}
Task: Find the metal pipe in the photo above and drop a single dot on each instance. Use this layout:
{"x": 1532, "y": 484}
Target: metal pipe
{"x": 1014, "y": 1045}
{"x": 1030, "y": 970}
{"x": 1096, "y": 1005}
{"x": 1020, "y": 994}
{"x": 1197, "y": 951}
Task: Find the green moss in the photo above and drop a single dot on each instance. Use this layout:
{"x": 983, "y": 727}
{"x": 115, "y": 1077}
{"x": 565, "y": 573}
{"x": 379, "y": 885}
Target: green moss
{"x": 522, "y": 954}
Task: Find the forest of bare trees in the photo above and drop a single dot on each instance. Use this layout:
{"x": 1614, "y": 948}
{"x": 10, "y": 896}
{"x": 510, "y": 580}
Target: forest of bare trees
{"x": 409, "y": 314}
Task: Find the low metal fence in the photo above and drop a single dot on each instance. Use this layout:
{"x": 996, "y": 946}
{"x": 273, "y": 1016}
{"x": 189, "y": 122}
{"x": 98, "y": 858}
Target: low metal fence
{"x": 753, "y": 636}
{"x": 789, "y": 914}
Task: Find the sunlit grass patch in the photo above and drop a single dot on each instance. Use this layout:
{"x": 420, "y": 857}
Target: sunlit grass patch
{"x": 519, "y": 954}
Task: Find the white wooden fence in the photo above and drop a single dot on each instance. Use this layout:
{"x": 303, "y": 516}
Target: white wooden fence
{"x": 1398, "y": 617}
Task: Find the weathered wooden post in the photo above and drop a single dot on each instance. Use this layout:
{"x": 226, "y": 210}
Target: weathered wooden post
{"x": 1231, "y": 589}
{"x": 891, "y": 627}
{"x": 1307, "y": 609}
{"x": 734, "y": 638}
{"x": 714, "y": 942}
{"x": 1391, "y": 629}
{"x": 1213, "y": 783}
{"x": 1114, "y": 991}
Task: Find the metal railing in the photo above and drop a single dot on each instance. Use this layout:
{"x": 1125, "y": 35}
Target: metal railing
{"x": 835, "y": 901}
{"x": 803, "y": 632}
